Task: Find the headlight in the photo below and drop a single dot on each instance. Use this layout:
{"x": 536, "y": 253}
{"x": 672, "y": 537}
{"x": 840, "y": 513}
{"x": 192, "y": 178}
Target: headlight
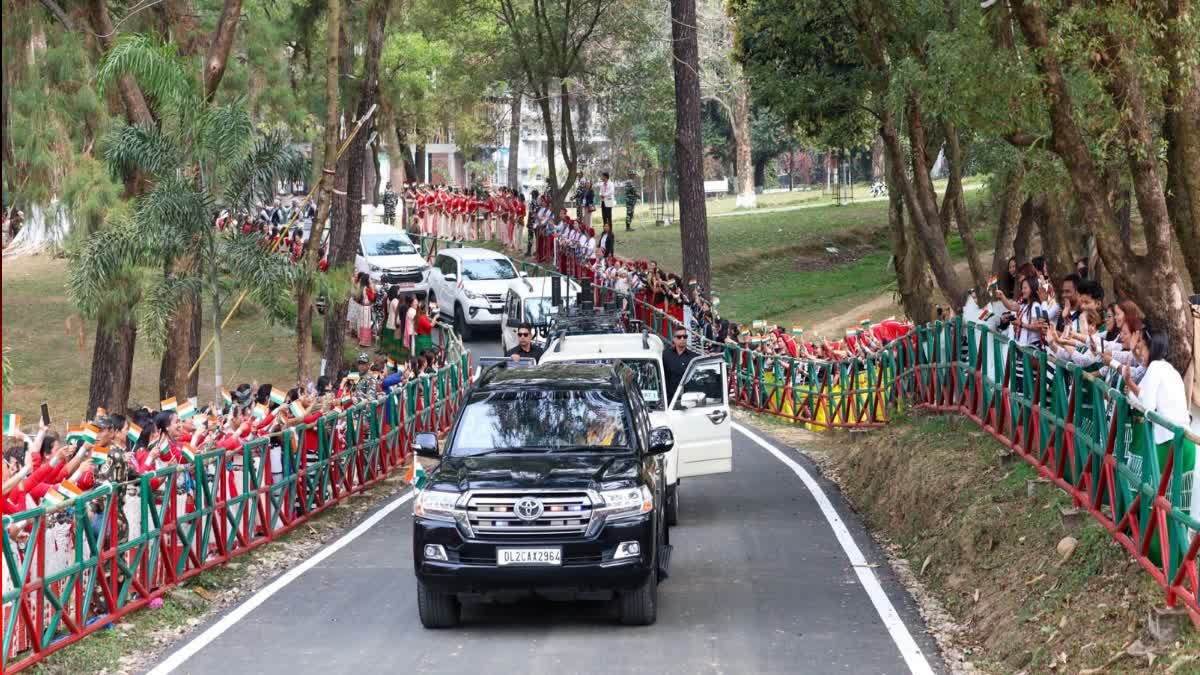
{"x": 436, "y": 505}
{"x": 626, "y": 502}
{"x": 470, "y": 295}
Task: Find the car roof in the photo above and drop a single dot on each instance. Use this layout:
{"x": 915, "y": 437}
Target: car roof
{"x": 605, "y": 345}
{"x": 567, "y": 376}
{"x": 472, "y": 253}
{"x": 538, "y": 287}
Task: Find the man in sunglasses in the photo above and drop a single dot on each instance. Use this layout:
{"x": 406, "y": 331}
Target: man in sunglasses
{"x": 676, "y": 360}
{"x": 525, "y": 348}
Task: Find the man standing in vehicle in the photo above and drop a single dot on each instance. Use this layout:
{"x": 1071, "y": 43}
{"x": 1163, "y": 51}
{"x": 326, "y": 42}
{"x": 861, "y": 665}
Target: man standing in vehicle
{"x": 525, "y": 348}
{"x": 676, "y": 360}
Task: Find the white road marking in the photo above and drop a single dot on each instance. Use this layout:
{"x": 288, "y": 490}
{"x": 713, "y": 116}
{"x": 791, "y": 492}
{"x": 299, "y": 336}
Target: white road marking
{"x": 214, "y": 631}
{"x": 913, "y": 656}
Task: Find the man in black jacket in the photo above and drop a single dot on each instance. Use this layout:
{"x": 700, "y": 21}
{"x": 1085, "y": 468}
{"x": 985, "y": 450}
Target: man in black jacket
{"x": 676, "y": 360}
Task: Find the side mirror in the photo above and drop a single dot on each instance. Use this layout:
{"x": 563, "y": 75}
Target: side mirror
{"x": 523, "y": 273}
{"x": 691, "y": 399}
{"x": 451, "y": 277}
{"x": 661, "y": 440}
{"x": 427, "y": 445}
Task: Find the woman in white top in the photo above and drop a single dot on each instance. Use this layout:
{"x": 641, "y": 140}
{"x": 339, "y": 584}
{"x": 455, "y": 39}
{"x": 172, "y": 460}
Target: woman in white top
{"x": 1026, "y": 328}
{"x": 1161, "y": 387}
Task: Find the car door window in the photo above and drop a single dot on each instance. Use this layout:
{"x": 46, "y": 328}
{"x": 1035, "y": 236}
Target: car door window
{"x": 705, "y": 378}
{"x": 439, "y": 263}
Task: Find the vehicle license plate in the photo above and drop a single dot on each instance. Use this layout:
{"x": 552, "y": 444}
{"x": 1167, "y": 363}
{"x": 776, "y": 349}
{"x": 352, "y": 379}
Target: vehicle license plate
{"x": 405, "y": 287}
{"x": 529, "y": 556}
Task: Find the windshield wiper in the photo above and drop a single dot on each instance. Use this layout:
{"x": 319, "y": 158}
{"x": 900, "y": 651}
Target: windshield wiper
{"x": 531, "y": 449}
{"x": 586, "y": 448}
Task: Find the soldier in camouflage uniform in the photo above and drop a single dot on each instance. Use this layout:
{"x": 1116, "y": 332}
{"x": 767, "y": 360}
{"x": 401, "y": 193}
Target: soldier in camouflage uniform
{"x": 389, "y": 205}
{"x": 631, "y": 200}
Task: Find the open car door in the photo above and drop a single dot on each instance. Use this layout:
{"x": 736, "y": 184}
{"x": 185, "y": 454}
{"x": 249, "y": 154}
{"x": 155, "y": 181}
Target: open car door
{"x": 700, "y": 420}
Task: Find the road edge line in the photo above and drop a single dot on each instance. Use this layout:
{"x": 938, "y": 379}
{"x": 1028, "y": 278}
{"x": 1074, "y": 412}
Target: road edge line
{"x": 913, "y": 656}
{"x": 181, "y": 655}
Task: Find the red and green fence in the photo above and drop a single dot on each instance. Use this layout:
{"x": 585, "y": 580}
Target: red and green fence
{"x": 116, "y": 548}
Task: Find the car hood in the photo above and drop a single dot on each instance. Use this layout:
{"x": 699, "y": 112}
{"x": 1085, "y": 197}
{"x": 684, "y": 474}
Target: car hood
{"x": 388, "y": 262}
{"x": 564, "y": 471}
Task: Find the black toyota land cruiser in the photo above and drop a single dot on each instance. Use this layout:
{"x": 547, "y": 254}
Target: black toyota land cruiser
{"x": 551, "y": 482}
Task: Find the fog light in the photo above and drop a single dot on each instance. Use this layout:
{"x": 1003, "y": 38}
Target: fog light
{"x": 473, "y": 311}
{"x": 435, "y": 552}
{"x": 627, "y": 549}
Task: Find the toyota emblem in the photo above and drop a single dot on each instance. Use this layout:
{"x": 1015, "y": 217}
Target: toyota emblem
{"x": 528, "y": 509}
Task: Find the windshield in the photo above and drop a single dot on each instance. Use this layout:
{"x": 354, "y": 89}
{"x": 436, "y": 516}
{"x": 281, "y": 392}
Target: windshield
{"x": 537, "y": 311}
{"x": 541, "y": 421}
{"x": 387, "y": 244}
{"x": 645, "y": 373}
{"x": 485, "y": 269}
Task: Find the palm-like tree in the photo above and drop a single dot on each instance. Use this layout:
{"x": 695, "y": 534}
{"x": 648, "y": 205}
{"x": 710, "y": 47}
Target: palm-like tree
{"x": 199, "y": 159}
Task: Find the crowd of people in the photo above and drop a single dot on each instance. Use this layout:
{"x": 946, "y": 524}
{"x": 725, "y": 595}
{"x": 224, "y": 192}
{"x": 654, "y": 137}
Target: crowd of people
{"x": 1108, "y": 337}
{"x": 56, "y": 465}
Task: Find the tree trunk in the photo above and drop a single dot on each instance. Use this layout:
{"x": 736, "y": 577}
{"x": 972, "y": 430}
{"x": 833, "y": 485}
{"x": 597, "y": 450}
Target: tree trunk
{"x": 308, "y": 258}
{"x": 746, "y": 198}
{"x": 954, "y": 196}
{"x": 372, "y": 180}
{"x": 877, "y": 169}
{"x": 1181, "y": 131}
{"x": 1052, "y": 226}
{"x": 551, "y": 168}
{"x": 1007, "y": 221}
{"x": 1025, "y": 227}
{"x": 218, "y": 49}
{"x": 112, "y": 366}
{"x": 136, "y": 109}
{"x": 569, "y": 151}
{"x": 180, "y": 18}
{"x": 514, "y": 141}
{"x": 916, "y": 293}
{"x": 343, "y": 248}
{"x": 689, "y": 145}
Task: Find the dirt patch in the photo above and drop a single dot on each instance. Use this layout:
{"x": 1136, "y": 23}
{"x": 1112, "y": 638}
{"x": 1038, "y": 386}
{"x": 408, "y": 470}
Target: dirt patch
{"x": 982, "y": 553}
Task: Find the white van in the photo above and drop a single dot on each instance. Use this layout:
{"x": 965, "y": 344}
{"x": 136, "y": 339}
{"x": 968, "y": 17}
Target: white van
{"x": 389, "y": 256}
{"x": 698, "y": 414}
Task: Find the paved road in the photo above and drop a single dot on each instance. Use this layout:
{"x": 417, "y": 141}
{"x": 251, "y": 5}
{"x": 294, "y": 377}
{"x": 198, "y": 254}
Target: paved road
{"x": 758, "y": 584}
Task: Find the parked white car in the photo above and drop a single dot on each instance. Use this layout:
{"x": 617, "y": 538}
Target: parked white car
{"x": 389, "y": 256}
{"x": 697, "y": 414}
{"x": 470, "y": 285}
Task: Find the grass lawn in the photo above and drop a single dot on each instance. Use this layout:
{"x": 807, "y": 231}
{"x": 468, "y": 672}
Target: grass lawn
{"x": 794, "y": 266}
{"x": 50, "y": 349}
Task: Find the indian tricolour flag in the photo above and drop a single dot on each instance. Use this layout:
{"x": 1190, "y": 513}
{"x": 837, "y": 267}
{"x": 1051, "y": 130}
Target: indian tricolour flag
{"x": 277, "y": 396}
{"x": 69, "y": 490}
{"x": 797, "y": 331}
{"x": 134, "y": 434}
{"x": 226, "y": 397}
{"x": 297, "y": 409}
{"x": 99, "y": 454}
{"x": 416, "y": 474}
{"x": 52, "y": 498}
{"x": 75, "y": 434}
{"x": 168, "y": 404}
{"x": 188, "y": 452}
{"x": 985, "y": 314}
{"x": 12, "y": 424}
{"x": 185, "y": 410}
{"x": 90, "y": 431}
{"x": 259, "y": 411}
{"x": 759, "y": 325}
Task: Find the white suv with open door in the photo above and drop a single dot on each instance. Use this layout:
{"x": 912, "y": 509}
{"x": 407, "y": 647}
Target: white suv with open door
{"x": 698, "y": 413}
{"x": 470, "y": 285}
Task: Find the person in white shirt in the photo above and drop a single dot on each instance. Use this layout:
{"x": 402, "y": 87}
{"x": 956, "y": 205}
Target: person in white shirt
{"x": 1030, "y": 313}
{"x": 1161, "y": 388}
{"x": 607, "y": 199}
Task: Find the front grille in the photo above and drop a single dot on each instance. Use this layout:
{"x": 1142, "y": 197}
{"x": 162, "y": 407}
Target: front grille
{"x": 402, "y": 276}
{"x": 494, "y": 298}
{"x": 564, "y": 513}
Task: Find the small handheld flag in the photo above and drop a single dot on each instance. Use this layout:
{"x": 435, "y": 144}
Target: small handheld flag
{"x": 168, "y": 404}
{"x": 69, "y": 490}
{"x": 90, "y": 431}
{"x": 985, "y": 314}
{"x": 759, "y": 325}
{"x": 75, "y": 434}
{"x": 99, "y": 454}
{"x": 259, "y": 411}
{"x": 226, "y": 397}
{"x": 188, "y": 452}
{"x": 52, "y": 498}
{"x": 185, "y": 410}
{"x": 416, "y": 474}
{"x": 297, "y": 409}
{"x": 134, "y": 434}
{"x": 12, "y": 424}
{"x": 277, "y": 396}
{"x": 797, "y": 331}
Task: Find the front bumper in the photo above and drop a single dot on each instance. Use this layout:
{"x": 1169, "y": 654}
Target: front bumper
{"x": 484, "y": 315}
{"x": 587, "y": 563}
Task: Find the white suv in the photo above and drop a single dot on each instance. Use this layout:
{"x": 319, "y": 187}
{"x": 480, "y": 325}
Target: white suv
{"x": 389, "y": 256}
{"x": 470, "y": 285}
{"x": 697, "y": 414}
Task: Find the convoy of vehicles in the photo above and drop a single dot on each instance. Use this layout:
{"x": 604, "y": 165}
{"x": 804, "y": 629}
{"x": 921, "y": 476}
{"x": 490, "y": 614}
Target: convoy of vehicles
{"x": 560, "y": 478}
{"x": 552, "y": 481}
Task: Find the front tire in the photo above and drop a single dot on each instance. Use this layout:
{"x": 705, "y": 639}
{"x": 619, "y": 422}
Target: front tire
{"x": 460, "y": 323}
{"x": 639, "y": 607}
{"x": 437, "y": 610}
